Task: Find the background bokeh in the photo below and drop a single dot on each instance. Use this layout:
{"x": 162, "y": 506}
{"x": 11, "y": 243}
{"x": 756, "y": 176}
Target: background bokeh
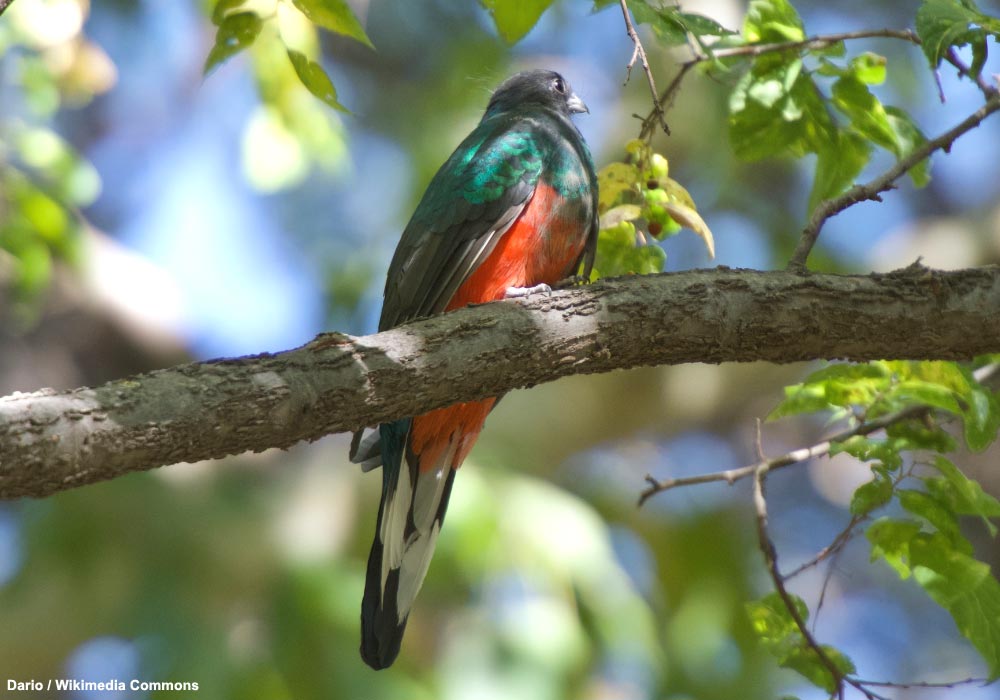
{"x": 222, "y": 229}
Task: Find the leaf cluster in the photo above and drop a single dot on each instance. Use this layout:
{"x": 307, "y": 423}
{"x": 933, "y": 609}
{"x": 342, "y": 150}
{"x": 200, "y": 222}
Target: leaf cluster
{"x": 917, "y": 403}
{"x": 637, "y": 193}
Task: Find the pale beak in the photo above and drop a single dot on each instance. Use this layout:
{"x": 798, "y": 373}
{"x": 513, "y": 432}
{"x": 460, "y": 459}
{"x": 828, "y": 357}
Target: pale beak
{"x": 575, "y": 105}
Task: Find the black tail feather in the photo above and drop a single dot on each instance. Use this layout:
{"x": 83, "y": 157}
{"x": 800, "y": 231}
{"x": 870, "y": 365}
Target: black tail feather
{"x": 381, "y": 630}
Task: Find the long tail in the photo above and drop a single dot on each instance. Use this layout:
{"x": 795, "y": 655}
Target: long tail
{"x": 409, "y": 520}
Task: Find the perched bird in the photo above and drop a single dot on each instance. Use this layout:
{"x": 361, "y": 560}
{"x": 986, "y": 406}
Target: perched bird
{"x": 513, "y": 210}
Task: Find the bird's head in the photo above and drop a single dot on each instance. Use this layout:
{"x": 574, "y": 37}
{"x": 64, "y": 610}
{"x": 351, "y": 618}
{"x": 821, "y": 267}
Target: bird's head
{"x": 542, "y": 87}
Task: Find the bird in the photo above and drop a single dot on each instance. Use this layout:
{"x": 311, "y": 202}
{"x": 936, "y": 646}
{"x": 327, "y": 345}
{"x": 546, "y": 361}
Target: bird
{"x": 512, "y": 212}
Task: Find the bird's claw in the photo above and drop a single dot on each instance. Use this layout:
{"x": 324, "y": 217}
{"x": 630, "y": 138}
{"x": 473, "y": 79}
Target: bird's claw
{"x": 519, "y": 292}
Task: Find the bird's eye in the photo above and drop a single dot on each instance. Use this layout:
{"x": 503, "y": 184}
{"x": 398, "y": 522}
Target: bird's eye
{"x": 559, "y": 86}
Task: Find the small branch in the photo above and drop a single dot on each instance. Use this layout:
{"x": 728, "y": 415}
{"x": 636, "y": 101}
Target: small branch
{"x": 821, "y": 41}
{"x": 640, "y": 53}
{"x": 873, "y": 189}
{"x": 966, "y": 71}
{"x": 803, "y": 454}
{"x": 665, "y": 100}
{"x": 4, "y": 4}
{"x": 842, "y": 538}
{"x": 925, "y": 684}
{"x": 771, "y": 560}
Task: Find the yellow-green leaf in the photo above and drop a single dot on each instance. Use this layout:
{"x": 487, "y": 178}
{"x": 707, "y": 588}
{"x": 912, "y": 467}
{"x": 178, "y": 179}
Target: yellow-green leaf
{"x": 336, "y": 16}
{"x": 315, "y": 79}
{"x": 515, "y": 18}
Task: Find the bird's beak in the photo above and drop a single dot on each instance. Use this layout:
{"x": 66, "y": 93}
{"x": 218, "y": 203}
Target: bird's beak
{"x": 576, "y": 105}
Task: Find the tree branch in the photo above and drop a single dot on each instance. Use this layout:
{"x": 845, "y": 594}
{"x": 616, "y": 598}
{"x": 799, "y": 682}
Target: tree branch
{"x": 54, "y": 440}
{"x": 4, "y": 4}
{"x": 871, "y": 190}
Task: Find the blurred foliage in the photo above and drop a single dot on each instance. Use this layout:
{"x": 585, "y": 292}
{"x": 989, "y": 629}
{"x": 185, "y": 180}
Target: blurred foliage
{"x": 43, "y": 180}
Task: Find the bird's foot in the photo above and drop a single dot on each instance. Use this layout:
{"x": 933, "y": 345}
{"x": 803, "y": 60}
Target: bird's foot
{"x": 518, "y": 292}
{"x": 572, "y": 281}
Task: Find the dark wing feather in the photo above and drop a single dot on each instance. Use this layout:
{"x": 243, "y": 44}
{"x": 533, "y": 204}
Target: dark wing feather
{"x": 468, "y": 206}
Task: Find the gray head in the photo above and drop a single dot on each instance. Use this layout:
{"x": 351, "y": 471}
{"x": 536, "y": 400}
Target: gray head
{"x": 536, "y": 87}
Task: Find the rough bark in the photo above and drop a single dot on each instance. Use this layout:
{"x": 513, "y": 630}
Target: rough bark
{"x": 54, "y": 440}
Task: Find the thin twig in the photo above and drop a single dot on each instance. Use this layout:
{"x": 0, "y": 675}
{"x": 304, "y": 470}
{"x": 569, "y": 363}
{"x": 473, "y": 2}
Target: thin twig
{"x": 983, "y": 375}
{"x": 966, "y": 71}
{"x": 802, "y": 454}
{"x": 771, "y": 560}
{"x": 4, "y": 4}
{"x": 842, "y": 538}
{"x": 640, "y": 53}
{"x": 873, "y": 189}
{"x": 925, "y": 684}
{"x": 665, "y": 100}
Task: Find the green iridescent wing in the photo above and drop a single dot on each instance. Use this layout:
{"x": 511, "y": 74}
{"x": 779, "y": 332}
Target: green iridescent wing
{"x": 470, "y": 203}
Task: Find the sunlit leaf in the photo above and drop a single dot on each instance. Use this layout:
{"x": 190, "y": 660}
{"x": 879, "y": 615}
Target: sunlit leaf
{"x": 689, "y": 218}
{"x": 236, "y": 32}
{"x": 616, "y": 215}
{"x": 315, "y": 79}
{"x": 336, "y": 16}
{"x": 909, "y": 137}
{"x": 515, "y": 18}
{"x": 776, "y": 629}
{"x": 772, "y": 21}
{"x": 867, "y": 115}
{"x": 869, "y": 68}
{"x": 942, "y": 24}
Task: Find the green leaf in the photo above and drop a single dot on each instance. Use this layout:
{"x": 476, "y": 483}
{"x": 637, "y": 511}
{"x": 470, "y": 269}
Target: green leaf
{"x": 315, "y": 79}
{"x": 867, "y": 115}
{"x": 336, "y": 16}
{"x": 871, "y": 495}
{"x": 917, "y": 391}
{"x": 778, "y": 632}
{"x": 916, "y": 434}
{"x": 961, "y": 494}
{"x": 935, "y": 512}
{"x": 772, "y": 21}
{"x": 910, "y": 138}
{"x": 867, "y": 449}
{"x": 982, "y": 418}
{"x": 840, "y": 161}
{"x": 673, "y": 27}
{"x": 515, "y": 18}
{"x": 800, "y": 399}
{"x": 942, "y": 24}
{"x": 869, "y": 68}
{"x": 224, "y": 8}
{"x": 775, "y": 110}
{"x": 236, "y": 32}
{"x": 890, "y": 540}
{"x": 966, "y": 588}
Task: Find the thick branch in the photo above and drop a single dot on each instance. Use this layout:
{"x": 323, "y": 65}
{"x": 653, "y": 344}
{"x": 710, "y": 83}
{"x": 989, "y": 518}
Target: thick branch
{"x": 52, "y": 440}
